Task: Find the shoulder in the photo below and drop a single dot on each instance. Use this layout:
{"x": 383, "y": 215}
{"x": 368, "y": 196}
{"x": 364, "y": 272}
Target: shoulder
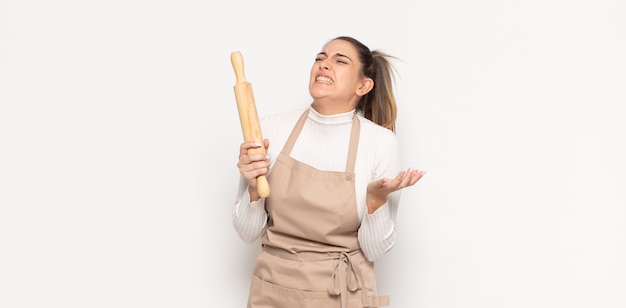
{"x": 380, "y": 147}
{"x": 373, "y": 132}
{"x": 279, "y": 124}
{"x": 282, "y": 118}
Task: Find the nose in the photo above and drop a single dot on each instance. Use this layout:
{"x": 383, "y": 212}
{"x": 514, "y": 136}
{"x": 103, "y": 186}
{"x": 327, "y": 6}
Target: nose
{"x": 323, "y": 65}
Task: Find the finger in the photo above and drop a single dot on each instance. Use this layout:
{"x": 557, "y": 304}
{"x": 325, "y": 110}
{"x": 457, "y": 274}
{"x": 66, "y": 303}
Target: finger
{"x": 416, "y": 176}
{"x": 251, "y": 171}
{"x": 254, "y": 173}
{"x": 252, "y": 158}
{"x": 243, "y": 149}
{"x": 247, "y": 165}
{"x": 245, "y": 161}
{"x": 395, "y": 182}
{"x": 406, "y": 179}
{"x": 251, "y": 162}
{"x": 409, "y": 177}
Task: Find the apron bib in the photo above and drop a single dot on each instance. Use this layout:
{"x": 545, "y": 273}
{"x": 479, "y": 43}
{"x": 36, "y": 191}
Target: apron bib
{"x": 310, "y": 254}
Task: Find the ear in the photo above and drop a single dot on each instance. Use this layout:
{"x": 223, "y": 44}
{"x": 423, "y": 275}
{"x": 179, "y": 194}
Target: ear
{"x": 366, "y": 85}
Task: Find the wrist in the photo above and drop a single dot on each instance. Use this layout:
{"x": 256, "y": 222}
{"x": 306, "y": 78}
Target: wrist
{"x": 254, "y": 194}
{"x": 373, "y": 203}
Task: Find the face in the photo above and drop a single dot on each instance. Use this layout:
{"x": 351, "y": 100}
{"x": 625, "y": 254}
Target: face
{"x": 335, "y": 75}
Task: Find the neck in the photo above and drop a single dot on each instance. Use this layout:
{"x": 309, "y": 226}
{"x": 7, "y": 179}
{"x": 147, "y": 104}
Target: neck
{"x": 330, "y": 108}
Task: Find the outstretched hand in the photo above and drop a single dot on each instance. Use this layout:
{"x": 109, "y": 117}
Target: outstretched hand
{"x": 378, "y": 190}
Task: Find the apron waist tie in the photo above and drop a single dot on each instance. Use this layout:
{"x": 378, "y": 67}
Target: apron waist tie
{"x": 342, "y": 279}
{"x": 346, "y": 276}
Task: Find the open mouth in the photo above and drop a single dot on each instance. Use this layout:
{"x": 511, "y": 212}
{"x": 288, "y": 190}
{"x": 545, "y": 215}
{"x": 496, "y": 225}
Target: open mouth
{"x": 324, "y": 79}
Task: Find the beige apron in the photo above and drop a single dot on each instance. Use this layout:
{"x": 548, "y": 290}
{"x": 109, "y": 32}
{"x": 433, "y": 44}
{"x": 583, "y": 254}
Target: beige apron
{"x": 310, "y": 254}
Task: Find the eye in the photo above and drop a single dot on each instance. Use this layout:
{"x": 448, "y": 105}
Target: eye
{"x": 318, "y": 59}
{"x": 342, "y": 61}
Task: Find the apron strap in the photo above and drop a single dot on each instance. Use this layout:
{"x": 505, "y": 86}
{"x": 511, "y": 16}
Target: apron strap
{"x": 342, "y": 278}
{"x": 348, "y": 277}
{"x": 354, "y": 144}
{"x": 294, "y": 134}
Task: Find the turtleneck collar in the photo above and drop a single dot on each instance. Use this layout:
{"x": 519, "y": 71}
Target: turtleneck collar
{"x": 331, "y": 119}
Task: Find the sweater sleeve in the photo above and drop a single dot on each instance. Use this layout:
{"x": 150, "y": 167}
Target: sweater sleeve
{"x": 377, "y": 234}
{"x": 249, "y": 218}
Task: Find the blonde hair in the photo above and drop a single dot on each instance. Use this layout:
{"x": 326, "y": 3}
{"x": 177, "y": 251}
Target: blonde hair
{"x": 379, "y": 104}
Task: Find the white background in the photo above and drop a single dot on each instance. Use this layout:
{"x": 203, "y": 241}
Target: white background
{"x": 119, "y": 140}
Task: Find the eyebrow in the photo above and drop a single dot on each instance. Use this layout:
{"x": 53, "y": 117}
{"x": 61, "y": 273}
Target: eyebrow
{"x": 337, "y": 54}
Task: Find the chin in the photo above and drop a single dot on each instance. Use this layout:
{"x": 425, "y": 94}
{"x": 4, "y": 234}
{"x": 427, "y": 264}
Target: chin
{"x": 316, "y": 93}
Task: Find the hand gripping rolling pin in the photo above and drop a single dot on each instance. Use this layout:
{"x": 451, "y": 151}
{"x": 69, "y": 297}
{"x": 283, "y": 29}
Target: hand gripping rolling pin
{"x": 248, "y": 117}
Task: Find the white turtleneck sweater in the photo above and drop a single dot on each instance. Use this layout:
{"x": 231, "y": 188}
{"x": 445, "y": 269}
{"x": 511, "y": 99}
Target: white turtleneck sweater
{"x": 323, "y": 144}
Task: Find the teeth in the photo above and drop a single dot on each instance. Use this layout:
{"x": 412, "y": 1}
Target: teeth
{"x": 323, "y": 79}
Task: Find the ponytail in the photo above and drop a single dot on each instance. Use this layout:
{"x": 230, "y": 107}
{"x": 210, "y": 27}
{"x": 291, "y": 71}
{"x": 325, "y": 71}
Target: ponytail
{"x": 379, "y": 104}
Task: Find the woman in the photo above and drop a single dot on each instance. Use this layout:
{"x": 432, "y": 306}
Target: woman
{"x": 335, "y": 187}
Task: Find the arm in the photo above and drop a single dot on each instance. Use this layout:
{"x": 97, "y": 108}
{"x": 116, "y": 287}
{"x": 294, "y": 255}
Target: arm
{"x": 377, "y": 233}
{"x": 249, "y": 215}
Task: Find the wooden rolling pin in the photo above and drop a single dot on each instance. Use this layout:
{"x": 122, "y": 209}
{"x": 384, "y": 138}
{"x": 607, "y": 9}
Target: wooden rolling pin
{"x": 248, "y": 117}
